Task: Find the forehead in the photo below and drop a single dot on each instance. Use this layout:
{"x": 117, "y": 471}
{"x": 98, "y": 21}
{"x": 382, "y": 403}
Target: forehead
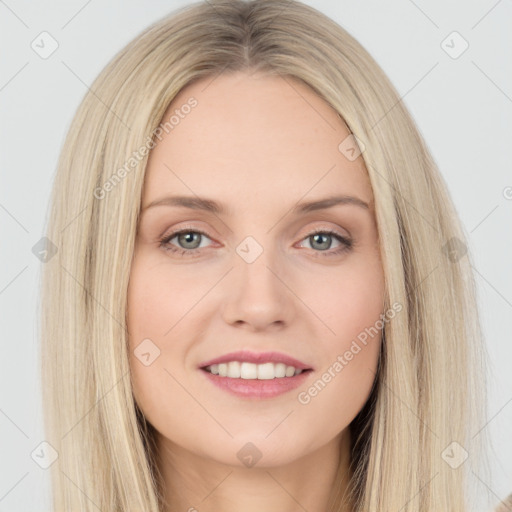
{"x": 252, "y": 136}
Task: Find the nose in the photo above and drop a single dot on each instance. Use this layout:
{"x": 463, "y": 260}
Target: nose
{"x": 258, "y": 296}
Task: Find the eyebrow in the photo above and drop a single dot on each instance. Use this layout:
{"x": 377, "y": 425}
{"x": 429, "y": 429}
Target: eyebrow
{"x": 209, "y": 205}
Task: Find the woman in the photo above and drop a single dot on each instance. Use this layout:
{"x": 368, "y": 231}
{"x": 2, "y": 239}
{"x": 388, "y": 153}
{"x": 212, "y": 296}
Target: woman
{"x": 257, "y": 369}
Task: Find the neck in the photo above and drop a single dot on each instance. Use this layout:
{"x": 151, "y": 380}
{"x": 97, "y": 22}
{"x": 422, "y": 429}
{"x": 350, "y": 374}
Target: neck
{"x": 316, "y": 481}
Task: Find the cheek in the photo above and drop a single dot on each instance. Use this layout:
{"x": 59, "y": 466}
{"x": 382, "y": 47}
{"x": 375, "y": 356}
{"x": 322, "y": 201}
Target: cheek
{"x": 351, "y": 309}
{"x": 149, "y": 316}
{"x": 349, "y": 301}
{"x": 158, "y": 298}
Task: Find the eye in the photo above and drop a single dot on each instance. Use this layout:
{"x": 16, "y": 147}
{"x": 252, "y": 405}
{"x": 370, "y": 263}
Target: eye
{"x": 189, "y": 239}
{"x": 322, "y": 239}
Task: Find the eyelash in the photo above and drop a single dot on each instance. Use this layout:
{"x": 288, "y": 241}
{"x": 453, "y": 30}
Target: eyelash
{"x": 347, "y": 244}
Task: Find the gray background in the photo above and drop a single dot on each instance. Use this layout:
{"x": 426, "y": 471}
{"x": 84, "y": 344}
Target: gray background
{"x": 463, "y": 107}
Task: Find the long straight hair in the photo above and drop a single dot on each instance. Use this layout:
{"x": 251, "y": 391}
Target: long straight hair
{"x": 429, "y": 396}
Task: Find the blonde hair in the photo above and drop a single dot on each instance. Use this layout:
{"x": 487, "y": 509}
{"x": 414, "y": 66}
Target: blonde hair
{"x": 429, "y": 390}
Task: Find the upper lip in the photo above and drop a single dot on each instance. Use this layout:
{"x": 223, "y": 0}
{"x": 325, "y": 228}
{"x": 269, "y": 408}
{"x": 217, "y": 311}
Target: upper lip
{"x": 257, "y": 358}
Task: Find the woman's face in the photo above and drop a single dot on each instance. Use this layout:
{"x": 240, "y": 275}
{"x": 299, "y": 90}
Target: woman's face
{"x": 252, "y": 275}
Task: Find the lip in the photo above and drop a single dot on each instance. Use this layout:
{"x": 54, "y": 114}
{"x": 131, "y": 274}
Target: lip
{"x": 246, "y": 356}
{"x": 255, "y": 388}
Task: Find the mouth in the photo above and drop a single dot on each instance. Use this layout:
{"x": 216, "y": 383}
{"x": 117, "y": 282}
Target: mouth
{"x": 255, "y": 375}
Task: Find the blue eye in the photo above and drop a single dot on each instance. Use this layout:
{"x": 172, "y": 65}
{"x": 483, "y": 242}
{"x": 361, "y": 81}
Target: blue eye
{"x": 190, "y": 242}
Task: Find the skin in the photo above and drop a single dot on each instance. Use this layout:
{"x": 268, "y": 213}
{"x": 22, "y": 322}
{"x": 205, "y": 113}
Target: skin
{"x": 258, "y": 145}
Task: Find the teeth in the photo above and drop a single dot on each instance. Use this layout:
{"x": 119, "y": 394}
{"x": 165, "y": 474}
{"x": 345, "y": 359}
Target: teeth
{"x": 265, "y": 371}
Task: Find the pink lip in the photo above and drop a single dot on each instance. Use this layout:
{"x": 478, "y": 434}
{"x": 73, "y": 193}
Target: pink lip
{"x": 255, "y": 388}
{"x": 245, "y": 356}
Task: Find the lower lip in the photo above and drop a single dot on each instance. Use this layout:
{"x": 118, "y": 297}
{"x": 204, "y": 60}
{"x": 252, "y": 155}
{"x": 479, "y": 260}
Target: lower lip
{"x": 256, "y": 388}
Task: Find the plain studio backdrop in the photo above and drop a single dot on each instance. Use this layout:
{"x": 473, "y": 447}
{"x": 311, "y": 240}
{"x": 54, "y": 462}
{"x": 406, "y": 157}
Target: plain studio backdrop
{"x": 451, "y": 64}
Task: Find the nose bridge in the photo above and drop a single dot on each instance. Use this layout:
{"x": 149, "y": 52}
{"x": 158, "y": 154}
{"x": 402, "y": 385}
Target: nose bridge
{"x": 257, "y": 294}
